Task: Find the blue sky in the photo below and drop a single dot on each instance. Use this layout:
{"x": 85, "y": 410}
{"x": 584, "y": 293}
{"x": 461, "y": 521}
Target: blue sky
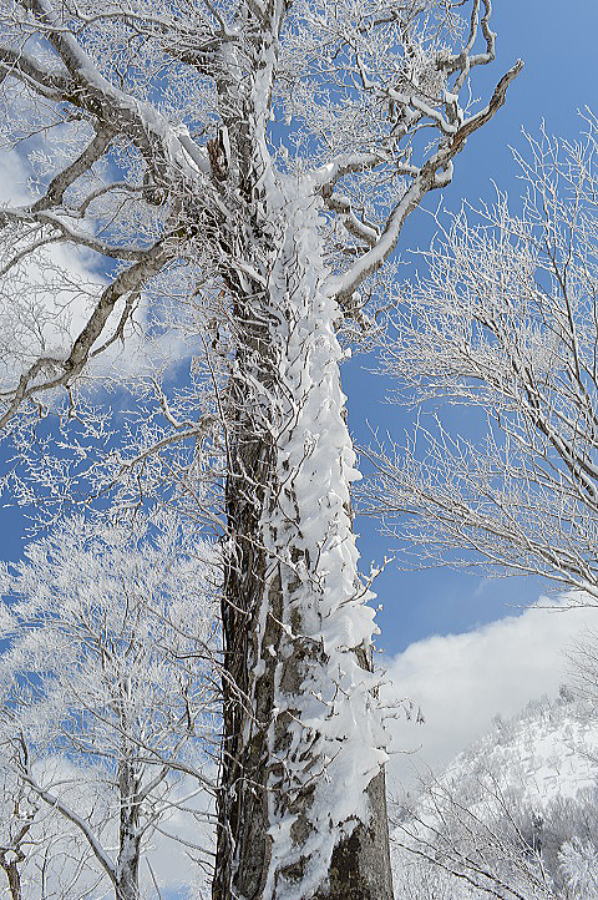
{"x": 557, "y": 43}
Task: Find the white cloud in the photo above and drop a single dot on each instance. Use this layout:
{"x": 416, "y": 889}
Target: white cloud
{"x": 13, "y": 179}
{"x": 462, "y": 681}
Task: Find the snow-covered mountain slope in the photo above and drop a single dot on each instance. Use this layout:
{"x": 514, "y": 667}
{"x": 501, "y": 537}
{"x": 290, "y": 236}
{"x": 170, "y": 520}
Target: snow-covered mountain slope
{"x": 550, "y": 750}
{"x": 514, "y": 816}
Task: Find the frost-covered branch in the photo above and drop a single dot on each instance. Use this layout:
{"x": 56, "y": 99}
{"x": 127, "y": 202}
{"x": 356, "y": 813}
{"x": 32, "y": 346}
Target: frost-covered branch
{"x": 505, "y": 321}
{"x": 107, "y": 682}
{"x": 437, "y": 172}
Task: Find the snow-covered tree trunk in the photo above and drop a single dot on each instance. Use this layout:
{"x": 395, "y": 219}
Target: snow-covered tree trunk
{"x": 294, "y": 771}
{"x": 302, "y": 758}
{"x": 302, "y": 806}
{"x": 17, "y": 814}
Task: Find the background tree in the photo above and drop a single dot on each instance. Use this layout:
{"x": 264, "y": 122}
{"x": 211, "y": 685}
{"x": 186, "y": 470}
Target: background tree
{"x": 109, "y": 689}
{"x": 505, "y": 321}
{"x": 246, "y": 167}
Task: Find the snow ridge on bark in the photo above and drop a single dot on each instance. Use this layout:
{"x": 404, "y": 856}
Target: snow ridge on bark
{"x": 327, "y": 737}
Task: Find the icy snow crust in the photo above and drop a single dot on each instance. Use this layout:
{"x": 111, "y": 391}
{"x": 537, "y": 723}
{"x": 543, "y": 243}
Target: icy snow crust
{"x": 336, "y": 738}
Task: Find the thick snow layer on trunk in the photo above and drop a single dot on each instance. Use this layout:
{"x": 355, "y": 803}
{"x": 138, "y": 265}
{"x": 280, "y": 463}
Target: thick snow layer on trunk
{"x": 325, "y": 735}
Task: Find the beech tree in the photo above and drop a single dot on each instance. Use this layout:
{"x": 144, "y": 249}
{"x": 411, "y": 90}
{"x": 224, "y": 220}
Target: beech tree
{"x": 505, "y": 321}
{"x": 235, "y": 171}
{"x": 108, "y": 691}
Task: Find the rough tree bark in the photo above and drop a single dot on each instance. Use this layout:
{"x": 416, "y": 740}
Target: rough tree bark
{"x": 13, "y": 851}
{"x": 271, "y": 648}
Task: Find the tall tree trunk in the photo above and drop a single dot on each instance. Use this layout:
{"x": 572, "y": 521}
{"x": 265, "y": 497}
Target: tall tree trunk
{"x": 302, "y": 809}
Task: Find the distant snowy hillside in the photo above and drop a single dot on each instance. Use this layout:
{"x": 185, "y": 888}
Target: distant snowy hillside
{"x": 515, "y": 816}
